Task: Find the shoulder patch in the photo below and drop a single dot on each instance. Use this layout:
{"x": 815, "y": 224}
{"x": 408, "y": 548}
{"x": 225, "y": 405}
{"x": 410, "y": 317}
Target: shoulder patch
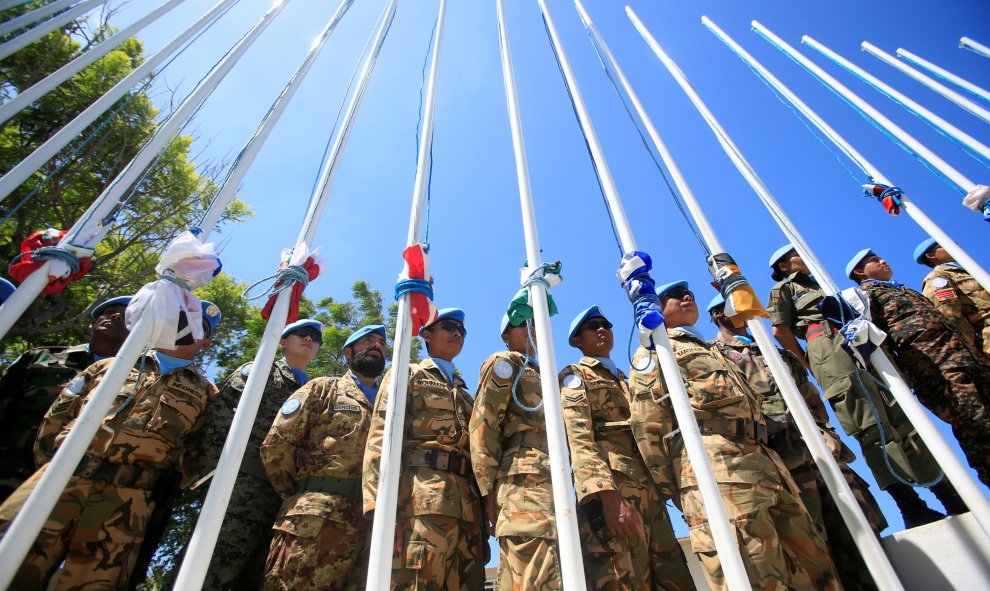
{"x": 940, "y": 282}
{"x": 503, "y": 369}
{"x": 75, "y": 386}
{"x": 945, "y": 294}
{"x": 290, "y": 407}
{"x": 246, "y": 369}
{"x": 646, "y": 367}
{"x": 572, "y": 381}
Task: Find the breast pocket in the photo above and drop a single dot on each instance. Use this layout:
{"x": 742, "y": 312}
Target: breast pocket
{"x": 434, "y": 418}
{"x": 174, "y": 417}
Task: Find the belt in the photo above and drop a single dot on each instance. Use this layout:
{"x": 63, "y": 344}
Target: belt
{"x": 330, "y": 485}
{"x": 531, "y": 439}
{"x": 734, "y": 429}
{"x": 818, "y": 329}
{"x": 438, "y": 460}
{"x": 94, "y": 468}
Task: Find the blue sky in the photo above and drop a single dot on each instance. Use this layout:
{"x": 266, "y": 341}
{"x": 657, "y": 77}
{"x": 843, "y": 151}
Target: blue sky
{"x": 475, "y": 223}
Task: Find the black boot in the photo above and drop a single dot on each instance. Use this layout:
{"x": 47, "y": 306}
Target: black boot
{"x": 949, "y": 498}
{"x": 914, "y": 511}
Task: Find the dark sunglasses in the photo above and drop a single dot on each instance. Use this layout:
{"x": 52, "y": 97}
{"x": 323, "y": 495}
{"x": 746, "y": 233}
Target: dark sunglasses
{"x": 679, "y": 293}
{"x": 596, "y": 324}
{"x": 309, "y": 332}
{"x": 451, "y": 326}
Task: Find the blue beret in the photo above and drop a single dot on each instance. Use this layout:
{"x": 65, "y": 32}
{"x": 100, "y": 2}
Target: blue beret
{"x": 117, "y": 301}
{"x": 304, "y": 323}
{"x": 775, "y": 258}
{"x": 592, "y": 312}
{"x": 363, "y": 332}
{"x": 717, "y": 301}
{"x": 663, "y": 289}
{"x": 919, "y": 252}
{"x": 451, "y": 313}
{"x": 211, "y": 314}
{"x": 6, "y": 288}
{"x": 857, "y": 259}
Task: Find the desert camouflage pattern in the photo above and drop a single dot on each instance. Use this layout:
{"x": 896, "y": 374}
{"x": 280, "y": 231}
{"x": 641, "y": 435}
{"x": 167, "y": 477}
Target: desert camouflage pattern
{"x": 949, "y": 376}
{"x": 782, "y": 548}
{"x": 244, "y": 538}
{"x": 963, "y": 301}
{"x": 29, "y": 386}
{"x": 605, "y": 456}
{"x": 97, "y": 526}
{"x": 517, "y": 473}
{"x": 313, "y": 454}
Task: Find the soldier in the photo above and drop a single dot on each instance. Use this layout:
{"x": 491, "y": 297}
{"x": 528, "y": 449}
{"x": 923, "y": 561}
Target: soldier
{"x": 99, "y": 521}
{"x": 781, "y": 547}
{"x": 242, "y": 544}
{"x": 626, "y": 535}
{"x": 439, "y": 541}
{"x": 313, "y": 455}
{"x": 737, "y": 346}
{"x": 511, "y": 465}
{"x": 32, "y": 382}
{"x": 955, "y": 293}
{"x": 949, "y": 376}
{"x": 866, "y": 411}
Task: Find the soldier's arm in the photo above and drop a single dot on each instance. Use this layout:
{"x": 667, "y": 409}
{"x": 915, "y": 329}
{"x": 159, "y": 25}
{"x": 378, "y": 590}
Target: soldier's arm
{"x": 946, "y": 300}
{"x": 591, "y": 472}
{"x": 373, "y": 449}
{"x": 485, "y": 426}
{"x": 65, "y": 408}
{"x": 650, "y": 419}
{"x": 189, "y": 461}
{"x": 289, "y": 430}
{"x": 781, "y": 309}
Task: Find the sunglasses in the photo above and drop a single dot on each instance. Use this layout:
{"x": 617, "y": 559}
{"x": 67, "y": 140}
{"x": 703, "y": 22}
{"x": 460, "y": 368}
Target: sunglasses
{"x": 309, "y": 332}
{"x": 678, "y": 293}
{"x": 451, "y": 326}
{"x": 596, "y": 324}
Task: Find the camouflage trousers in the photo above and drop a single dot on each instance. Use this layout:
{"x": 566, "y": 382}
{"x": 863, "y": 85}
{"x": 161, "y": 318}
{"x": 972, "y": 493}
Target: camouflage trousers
{"x": 439, "y": 553}
{"x": 528, "y": 564}
{"x": 654, "y": 561}
{"x": 95, "y": 527}
{"x": 245, "y": 536}
{"x": 528, "y": 558}
{"x": 781, "y": 547}
{"x": 311, "y": 552}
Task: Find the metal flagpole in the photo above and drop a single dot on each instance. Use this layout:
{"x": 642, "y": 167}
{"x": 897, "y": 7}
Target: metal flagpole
{"x": 32, "y": 35}
{"x": 90, "y": 228}
{"x": 565, "y": 511}
{"x": 867, "y": 542}
{"x": 869, "y": 169}
{"x": 204, "y": 537}
{"x": 954, "y": 469}
{"x": 965, "y": 185}
{"x": 8, "y": 4}
{"x": 43, "y": 153}
{"x": 27, "y": 96}
{"x": 33, "y": 16}
{"x": 944, "y": 74}
{"x": 389, "y": 470}
{"x": 725, "y": 539}
{"x": 974, "y": 46}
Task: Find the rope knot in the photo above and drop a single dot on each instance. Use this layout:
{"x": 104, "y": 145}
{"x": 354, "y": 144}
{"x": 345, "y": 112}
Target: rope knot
{"x": 42, "y": 246}
{"x": 888, "y": 196}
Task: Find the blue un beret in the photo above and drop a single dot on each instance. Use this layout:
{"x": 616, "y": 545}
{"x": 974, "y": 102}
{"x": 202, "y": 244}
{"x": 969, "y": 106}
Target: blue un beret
{"x": 6, "y": 289}
{"x": 211, "y": 314}
{"x": 857, "y": 259}
{"x": 775, "y": 258}
{"x": 363, "y": 332}
{"x": 925, "y": 246}
{"x": 592, "y": 312}
{"x": 717, "y": 301}
{"x": 304, "y": 323}
{"x": 117, "y": 301}
{"x": 450, "y": 313}
{"x": 663, "y": 289}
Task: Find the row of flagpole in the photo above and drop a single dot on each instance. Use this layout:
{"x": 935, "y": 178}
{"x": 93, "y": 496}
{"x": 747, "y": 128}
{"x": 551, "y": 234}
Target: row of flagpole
{"x": 52, "y": 24}
{"x": 32, "y": 16}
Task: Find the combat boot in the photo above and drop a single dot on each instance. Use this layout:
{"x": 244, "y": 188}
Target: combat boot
{"x": 914, "y": 511}
{"x": 949, "y": 498}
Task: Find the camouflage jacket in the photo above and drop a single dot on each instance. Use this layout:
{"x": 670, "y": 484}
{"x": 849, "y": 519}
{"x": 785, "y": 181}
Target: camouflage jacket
{"x": 437, "y": 416}
{"x": 596, "y": 417}
{"x": 794, "y": 302}
{"x": 652, "y": 418}
{"x": 220, "y": 414}
{"x": 321, "y": 431}
{"x": 962, "y": 300}
{"x": 151, "y": 424}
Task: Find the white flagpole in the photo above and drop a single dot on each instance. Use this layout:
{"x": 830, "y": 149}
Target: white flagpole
{"x": 8, "y": 4}
{"x": 944, "y": 74}
{"x": 941, "y": 89}
{"x": 869, "y": 169}
{"x": 33, "y": 16}
{"x": 724, "y": 536}
{"x": 974, "y": 46}
{"x": 390, "y": 466}
{"x": 867, "y": 542}
{"x": 565, "y": 511}
{"x": 28, "y": 95}
{"x": 32, "y": 35}
{"x": 954, "y": 469}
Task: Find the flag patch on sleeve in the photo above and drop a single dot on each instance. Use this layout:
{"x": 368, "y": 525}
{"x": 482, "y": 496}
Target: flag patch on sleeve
{"x": 945, "y": 294}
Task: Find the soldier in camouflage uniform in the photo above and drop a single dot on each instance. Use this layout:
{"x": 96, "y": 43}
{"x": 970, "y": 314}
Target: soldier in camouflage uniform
{"x": 439, "y": 530}
{"x": 512, "y": 466}
{"x": 313, "y": 455}
{"x": 737, "y": 346}
{"x": 99, "y": 521}
{"x": 865, "y": 410}
{"x": 949, "y": 376}
{"x": 32, "y": 382}
{"x": 956, "y": 294}
{"x": 626, "y": 534}
{"x": 242, "y": 544}
{"x": 781, "y": 547}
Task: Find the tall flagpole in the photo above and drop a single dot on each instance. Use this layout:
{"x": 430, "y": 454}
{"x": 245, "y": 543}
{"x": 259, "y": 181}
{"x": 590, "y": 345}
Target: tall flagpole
{"x": 867, "y": 542}
{"x": 33, "y": 16}
{"x": 974, "y": 46}
{"x": 911, "y": 208}
{"x": 32, "y": 35}
{"x": 944, "y": 74}
{"x": 724, "y": 536}
{"x": 565, "y": 511}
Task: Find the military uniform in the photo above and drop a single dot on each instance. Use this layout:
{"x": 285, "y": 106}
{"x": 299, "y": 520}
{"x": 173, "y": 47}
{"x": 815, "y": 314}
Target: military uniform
{"x": 242, "y": 544}
{"x": 99, "y": 521}
{"x": 510, "y": 460}
{"x": 313, "y": 455}
{"x": 961, "y": 299}
{"x": 780, "y": 545}
{"x": 861, "y": 406}
{"x": 605, "y": 456}
{"x": 785, "y": 439}
{"x": 28, "y": 387}
{"x": 439, "y": 506}
{"x": 949, "y": 377}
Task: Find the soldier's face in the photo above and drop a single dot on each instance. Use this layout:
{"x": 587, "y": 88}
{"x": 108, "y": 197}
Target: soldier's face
{"x": 792, "y": 263}
{"x": 366, "y": 357}
{"x": 679, "y": 308}
{"x": 875, "y": 267}
{"x": 938, "y": 255}
{"x": 516, "y": 338}
{"x": 110, "y": 324}
{"x": 445, "y": 339}
{"x": 594, "y": 338}
{"x": 300, "y": 345}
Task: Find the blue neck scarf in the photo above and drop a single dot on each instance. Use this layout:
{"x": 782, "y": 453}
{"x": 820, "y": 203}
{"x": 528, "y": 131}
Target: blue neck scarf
{"x": 691, "y": 330}
{"x": 95, "y": 356}
{"x": 950, "y": 264}
{"x": 890, "y": 283}
{"x": 301, "y": 376}
{"x": 609, "y": 365}
{"x": 744, "y": 340}
{"x": 369, "y": 391}
{"x": 447, "y": 367}
{"x": 167, "y": 363}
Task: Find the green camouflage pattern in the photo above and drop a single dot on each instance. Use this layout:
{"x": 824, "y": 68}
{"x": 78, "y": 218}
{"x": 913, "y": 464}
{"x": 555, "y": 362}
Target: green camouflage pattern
{"x": 963, "y": 301}
{"x": 317, "y": 554}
